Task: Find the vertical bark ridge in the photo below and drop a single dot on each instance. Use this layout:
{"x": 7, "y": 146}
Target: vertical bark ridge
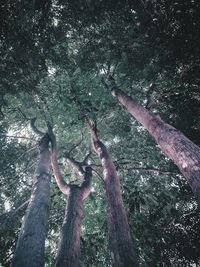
{"x": 184, "y": 153}
{"x": 68, "y": 254}
{"x": 69, "y": 245}
{"x": 31, "y": 242}
{"x": 121, "y": 247}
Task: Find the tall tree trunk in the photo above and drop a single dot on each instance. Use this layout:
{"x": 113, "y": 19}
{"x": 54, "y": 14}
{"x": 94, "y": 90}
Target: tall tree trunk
{"x": 31, "y": 242}
{"x": 68, "y": 254}
{"x": 69, "y": 246}
{"x": 121, "y": 247}
{"x": 184, "y": 153}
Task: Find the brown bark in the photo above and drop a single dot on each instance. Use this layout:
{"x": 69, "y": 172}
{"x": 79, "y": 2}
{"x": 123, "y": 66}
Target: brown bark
{"x": 64, "y": 188}
{"x": 31, "y": 242}
{"x": 184, "y": 153}
{"x": 121, "y": 247}
{"x": 69, "y": 245}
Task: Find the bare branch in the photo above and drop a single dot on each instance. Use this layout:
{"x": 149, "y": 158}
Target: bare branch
{"x": 15, "y": 136}
{"x": 63, "y": 186}
{"x": 23, "y": 114}
{"x": 12, "y": 212}
{"x": 35, "y": 129}
{"x": 87, "y": 184}
{"x": 105, "y": 84}
{"x": 78, "y": 166}
{"x": 151, "y": 103}
{"x": 52, "y": 138}
{"x": 98, "y": 175}
{"x": 86, "y": 159}
{"x": 24, "y": 204}
{"x": 75, "y": 146}
{"x": 92, "y": 129}
{"x": 148, "y": 169}
{"x": 31, "y": 149}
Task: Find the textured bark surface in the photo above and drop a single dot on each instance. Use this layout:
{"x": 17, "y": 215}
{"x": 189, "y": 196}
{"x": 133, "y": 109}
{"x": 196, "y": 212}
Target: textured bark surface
{"x": 55, "y": 166}
{"x": 184, "y": 153}
{"x": 121, "y": 247}
{"x": 64, "y": 188}
{"x": 69, "y": 246}
{"x": 31, "y": 242}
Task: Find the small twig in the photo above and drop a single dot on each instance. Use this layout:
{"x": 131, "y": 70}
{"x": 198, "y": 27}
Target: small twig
{"x": 152, "y": 170}
{"x": 15, "y": 136}
{"x": 75, "y": 146}
{"x": 98, "y": 175}
{"x": 86, "y": 159}
{"x": 78, "y": 166}
{"x": 14, "y": 211}
{"x": 20, "y": 207}
{"x": 23, "y": 114}
{"x": 105, "y": 84}
{"x": 33, "y": 148}
{"x": 153, "y": 102}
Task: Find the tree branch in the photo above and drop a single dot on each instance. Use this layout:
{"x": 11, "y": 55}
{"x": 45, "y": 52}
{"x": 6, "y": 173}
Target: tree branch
{"x": 75, "y": 145}
{"x": 99, "y": 176}
{"x": 13, "y": 212}
{"x": 86, "y": 159}
{"x": 150, "y": 170}
{"x": 35, "y": 129}
{"x": 63, "y": 186}
{"x": 87, "y": 184}
{"x": 15, "y": 136}
{"x": 77, "y": 165}
{"x": 92, "y": 129}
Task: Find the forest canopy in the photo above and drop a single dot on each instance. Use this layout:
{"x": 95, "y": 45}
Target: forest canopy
{"x": 59, "y": 61}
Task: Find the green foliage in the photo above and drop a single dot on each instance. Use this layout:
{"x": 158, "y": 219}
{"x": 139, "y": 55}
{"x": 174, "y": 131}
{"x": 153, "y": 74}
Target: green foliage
{"x": 55, "y": 59}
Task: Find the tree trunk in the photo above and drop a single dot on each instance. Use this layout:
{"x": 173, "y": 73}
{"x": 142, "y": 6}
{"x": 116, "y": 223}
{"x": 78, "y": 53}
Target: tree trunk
{"x": 184, "y": 153}
{"x": 69, "y": 246}
{"x": 121, "y": 247}
{"x": 31, "y": 242}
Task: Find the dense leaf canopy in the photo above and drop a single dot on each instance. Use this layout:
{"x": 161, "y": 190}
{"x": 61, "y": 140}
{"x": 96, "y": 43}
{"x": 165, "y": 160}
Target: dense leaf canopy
{"x": 55, "y": 60}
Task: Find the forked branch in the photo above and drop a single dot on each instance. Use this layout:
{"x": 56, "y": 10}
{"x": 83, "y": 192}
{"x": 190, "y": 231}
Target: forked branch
{"x": 79, "y": 166}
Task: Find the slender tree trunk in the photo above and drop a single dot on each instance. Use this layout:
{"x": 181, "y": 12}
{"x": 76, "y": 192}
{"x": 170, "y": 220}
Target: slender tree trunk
{"x": 69, "y": 246}
{"x": 184, "y": 153}
{"x": 68, "y": 254}
{"x": 121, "y": 247}
{"x": 31, "y": 242}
